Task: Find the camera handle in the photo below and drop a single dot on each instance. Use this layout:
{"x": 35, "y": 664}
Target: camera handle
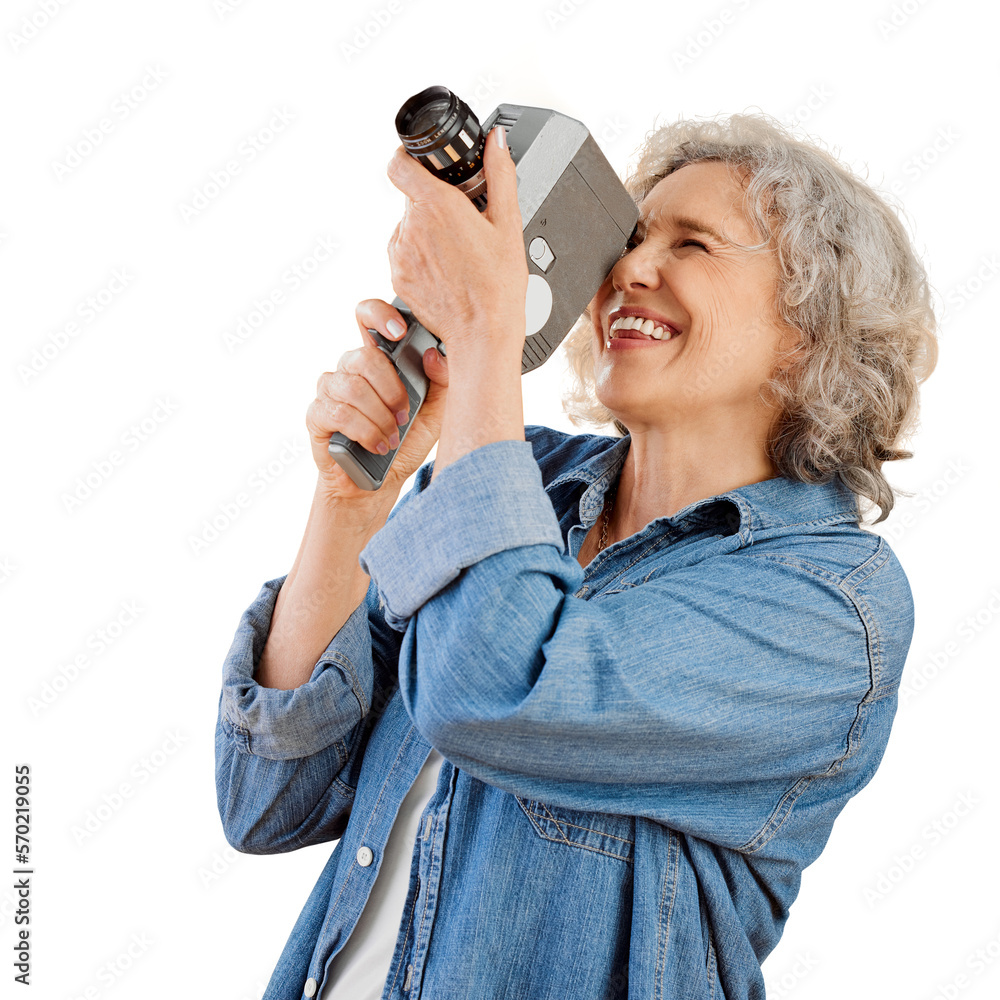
{"x": 367, "y": 469}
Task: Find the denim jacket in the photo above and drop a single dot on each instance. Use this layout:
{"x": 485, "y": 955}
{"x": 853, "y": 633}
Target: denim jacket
{"x": 640, "y": 758}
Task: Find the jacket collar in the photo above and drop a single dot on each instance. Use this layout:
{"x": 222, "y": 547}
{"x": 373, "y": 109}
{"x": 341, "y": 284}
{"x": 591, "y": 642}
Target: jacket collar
{"x": 770, "y": 503}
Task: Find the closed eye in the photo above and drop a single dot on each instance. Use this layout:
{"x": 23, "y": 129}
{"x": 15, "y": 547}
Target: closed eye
{"x": 634, "y": 240}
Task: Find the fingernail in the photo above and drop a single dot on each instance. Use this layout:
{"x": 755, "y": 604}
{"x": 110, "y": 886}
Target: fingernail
{"x": 401, "y": 417}
{"x": 394, "y": 440}
{"x": 395, "y": 328}
{"x": 382, "y": 448}
{"x": 501, "y": 136}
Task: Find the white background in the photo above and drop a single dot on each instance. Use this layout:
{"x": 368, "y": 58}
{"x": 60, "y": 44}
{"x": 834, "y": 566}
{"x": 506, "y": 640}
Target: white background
{"x": 135, "y": 889}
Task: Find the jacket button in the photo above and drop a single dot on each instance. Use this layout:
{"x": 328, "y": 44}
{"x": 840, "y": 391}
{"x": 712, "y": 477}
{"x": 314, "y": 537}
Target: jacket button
{"x": 310, "y": 989}
{"x": 365, "y": 857}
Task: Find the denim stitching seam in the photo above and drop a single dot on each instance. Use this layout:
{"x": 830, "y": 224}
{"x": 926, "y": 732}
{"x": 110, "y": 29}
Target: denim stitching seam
{"x": 777, "y": 818}
{"x": 423, "y": 914}
{"x": 711, "y": 966}
{"x": 675, "y": 850}
{"x": 533, "y": 816}
{"x": 603, "y": 833}
{"x": 573, "y": 843}
{"x": 385, "y": 784}
{"x": 402, "y": 954}
{"x": 356, "y": 687}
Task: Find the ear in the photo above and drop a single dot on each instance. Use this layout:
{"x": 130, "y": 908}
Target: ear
{"x": 791, "y": 348}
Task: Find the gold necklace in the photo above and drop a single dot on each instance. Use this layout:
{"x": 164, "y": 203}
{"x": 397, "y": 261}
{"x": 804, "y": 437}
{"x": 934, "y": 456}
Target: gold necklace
{"x": 609, "y": 506}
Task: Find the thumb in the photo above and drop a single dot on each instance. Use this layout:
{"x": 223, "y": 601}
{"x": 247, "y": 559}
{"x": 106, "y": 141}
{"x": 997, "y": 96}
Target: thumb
{"x": 436, "y": 366}
{"x": 501, "y": 180}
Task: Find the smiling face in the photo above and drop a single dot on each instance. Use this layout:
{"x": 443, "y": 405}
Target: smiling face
{"x": 709, "y": 329}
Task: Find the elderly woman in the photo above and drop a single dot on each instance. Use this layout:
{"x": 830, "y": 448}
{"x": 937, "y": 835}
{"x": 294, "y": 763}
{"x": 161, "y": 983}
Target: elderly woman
{"x": 581, "y": 708}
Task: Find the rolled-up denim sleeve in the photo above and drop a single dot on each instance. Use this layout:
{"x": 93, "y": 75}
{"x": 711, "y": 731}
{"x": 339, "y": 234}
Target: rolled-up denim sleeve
{"x": 489, "y": 500}
{"x": 711, "y": 697}
{"x": 279, "y": 752}
{"x": 287, "y": 724}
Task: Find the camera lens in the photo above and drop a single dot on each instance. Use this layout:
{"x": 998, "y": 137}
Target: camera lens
{"x": 428, "y": 116}
{"x": 440, "y": 130}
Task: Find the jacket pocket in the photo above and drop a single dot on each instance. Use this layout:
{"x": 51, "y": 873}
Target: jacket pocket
{"x": 603, "y": 833}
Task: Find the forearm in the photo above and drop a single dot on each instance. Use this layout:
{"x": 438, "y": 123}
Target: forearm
{"x": 324, "y": 586}
{"x": 484, "y": 402}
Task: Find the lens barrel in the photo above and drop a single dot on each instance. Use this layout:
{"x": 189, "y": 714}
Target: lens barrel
{"x": 439, "y": 129}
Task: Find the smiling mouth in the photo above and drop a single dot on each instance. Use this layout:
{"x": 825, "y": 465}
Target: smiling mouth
{"x": 640, "y": 328}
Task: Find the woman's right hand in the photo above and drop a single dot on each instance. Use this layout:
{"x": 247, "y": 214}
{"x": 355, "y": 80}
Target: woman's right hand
{"x": 361, "y": 399}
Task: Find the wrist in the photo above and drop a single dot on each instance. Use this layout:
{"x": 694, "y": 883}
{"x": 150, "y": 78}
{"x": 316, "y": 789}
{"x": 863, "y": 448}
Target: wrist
{"x": 500, "y": 340}
{"x": 364, "y": 513}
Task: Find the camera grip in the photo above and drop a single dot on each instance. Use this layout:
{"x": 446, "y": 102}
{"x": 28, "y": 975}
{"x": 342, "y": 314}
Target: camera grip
{"x": 367, "y": 469}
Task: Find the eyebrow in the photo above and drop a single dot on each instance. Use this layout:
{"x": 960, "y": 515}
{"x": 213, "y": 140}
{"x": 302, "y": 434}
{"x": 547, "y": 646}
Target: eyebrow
{"x": 692, "y": 225}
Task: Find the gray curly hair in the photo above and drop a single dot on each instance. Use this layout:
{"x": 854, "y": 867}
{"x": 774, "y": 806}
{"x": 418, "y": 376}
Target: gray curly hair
{"x": 850, "y": 283}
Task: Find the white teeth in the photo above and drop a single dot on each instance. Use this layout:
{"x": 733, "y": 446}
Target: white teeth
{"x": 645, "y": 326}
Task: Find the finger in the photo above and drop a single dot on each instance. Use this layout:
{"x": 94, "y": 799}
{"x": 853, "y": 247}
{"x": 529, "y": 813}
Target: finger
{"x": 349, "y": 404}
{"x": 414, "y": 179}
{"x": 436, "y": 366}
{"x": 501, "y": 180}
{"x": 378, "y": 314}
{"x": 326, "y": 417}
{"x": 378, "y": 371}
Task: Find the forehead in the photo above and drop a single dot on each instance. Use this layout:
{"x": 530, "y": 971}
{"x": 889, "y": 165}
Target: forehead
{"x": 708, "y": 191}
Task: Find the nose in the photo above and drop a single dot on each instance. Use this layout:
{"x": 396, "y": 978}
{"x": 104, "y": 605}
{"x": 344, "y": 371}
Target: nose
{"x": 639, "y": 268}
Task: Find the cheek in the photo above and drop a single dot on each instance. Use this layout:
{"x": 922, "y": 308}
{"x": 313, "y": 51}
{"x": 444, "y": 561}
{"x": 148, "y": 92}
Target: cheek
{"x": 600, "y": 297}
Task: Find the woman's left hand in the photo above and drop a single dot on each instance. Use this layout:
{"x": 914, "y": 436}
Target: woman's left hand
{"x": 463, "y": 273}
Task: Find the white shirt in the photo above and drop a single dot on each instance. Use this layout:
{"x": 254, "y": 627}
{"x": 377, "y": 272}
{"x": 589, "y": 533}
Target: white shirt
{"x": 360, "y": 968}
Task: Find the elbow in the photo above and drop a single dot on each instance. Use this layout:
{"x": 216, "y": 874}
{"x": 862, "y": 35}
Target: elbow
{"x": 455, "y": 736}
{"x": 246, "y": 832}
{"x": 246, "y": 828}
{"x": 251, "y": 840}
